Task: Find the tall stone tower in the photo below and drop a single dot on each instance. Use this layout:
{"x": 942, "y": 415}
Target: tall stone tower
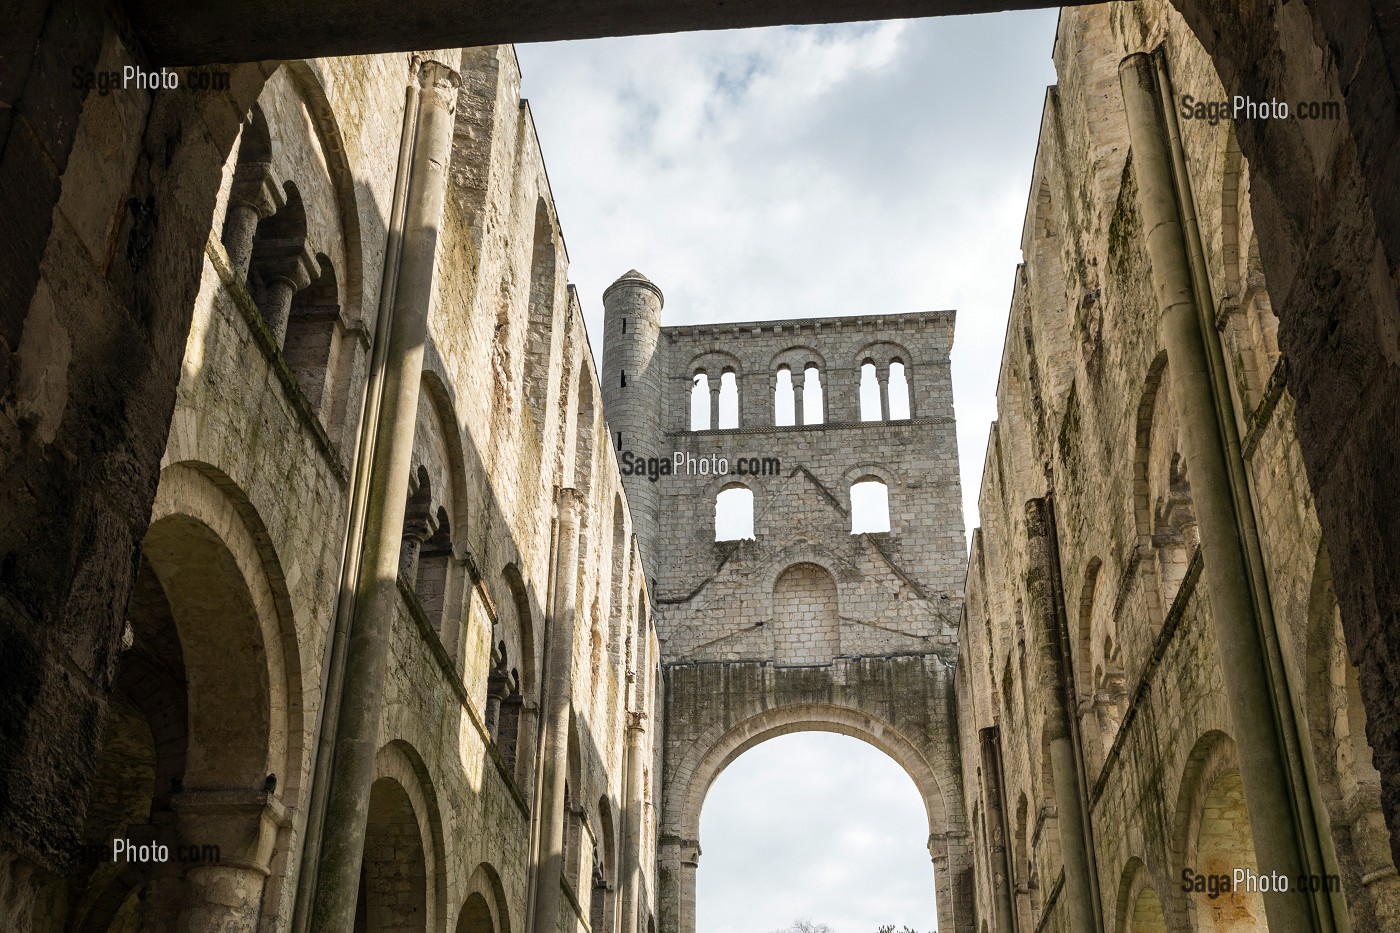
{"x": 632, "y": 389}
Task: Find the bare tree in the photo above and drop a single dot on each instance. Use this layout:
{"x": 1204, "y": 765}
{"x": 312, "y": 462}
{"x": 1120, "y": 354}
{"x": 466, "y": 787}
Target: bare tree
{"x": 802, "y": 925}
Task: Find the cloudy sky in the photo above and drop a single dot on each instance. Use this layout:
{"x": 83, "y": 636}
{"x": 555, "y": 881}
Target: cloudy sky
{"x": 806, "y": 172}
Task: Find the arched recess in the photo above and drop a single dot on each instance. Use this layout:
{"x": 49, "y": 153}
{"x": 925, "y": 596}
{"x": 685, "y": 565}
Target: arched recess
{"x": 402, "y": 879}
{"x": 484, "y": 909}
{"x": 512, "y": 686}
{"x": 585, "y": 430}
{"x": 1251, "y": 331}
{"x": 203, "y": 731}
{"x": 539, "y": 335}
{"x": 1347, "y": 779}
{"x": 1100, "y": 677}
{"x": 1139, "y": 907}
{"x": 806, "y": 617}
{"x": 292, "y": 230}
{"x": 705, "y": 760}
{"x": 1163, "y": 509}
{"x": 1212, "y": 836}
{"x": 436, "y": 518}
{"x": 1048, "y": 306}
{"x": 602, "y": 902}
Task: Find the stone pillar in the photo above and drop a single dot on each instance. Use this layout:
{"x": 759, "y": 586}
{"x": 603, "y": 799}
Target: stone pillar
{"x": 799, "y": 414}
{"x": 633, "y": 818}
{"x": 883, "y": 377}
{"x": 558, "y": 696}
{"x": 1003, "y": 919}
{"x": 713, "y": 386}
{"x": 1276, "y": 814}
{"x": 690, "y": 863}
{"x": 418, "y": 526}
{"x": 289, "y": 268}
{"x": 525, "y": 747}
{"x": 376, "y": 596}
{"x": 225, "y": 895}
{"x": 1045, "y": 591}
{"x": 250, "y": 202}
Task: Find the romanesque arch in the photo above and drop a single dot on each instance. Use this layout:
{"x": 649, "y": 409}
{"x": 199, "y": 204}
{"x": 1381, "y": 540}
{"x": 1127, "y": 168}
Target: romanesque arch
{"x": 1212, "y": 836}
{"x": 484, "y": 908}
{"x": 204, "y": 732}
{"x": 402, "y": 880}
{"x": 717, "y": 745}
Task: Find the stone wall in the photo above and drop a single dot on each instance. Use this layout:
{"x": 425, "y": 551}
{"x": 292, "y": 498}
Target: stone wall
{"x": 1088, "y": 424}
{"x": 244, "y": 554}
{"x": 803, "y": 625}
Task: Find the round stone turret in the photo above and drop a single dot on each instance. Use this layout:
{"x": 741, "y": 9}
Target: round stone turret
{"x": 632, "y": 384}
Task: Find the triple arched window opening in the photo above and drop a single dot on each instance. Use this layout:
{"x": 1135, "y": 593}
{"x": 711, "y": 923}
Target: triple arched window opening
{"x": 289, "y": 277}
{"x": 734, "y": 510}
{"x": 800, "y": 396}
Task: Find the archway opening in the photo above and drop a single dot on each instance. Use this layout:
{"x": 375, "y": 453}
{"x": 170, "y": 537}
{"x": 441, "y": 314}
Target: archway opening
{"x": 814, "y": 826}
{"x": 1224, "y": 845}
{"x": 393, "y": 894}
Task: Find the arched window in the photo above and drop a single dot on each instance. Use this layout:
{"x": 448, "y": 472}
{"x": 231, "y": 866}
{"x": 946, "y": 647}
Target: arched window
{"x": 899, "y": 392}
{"x": 249, "y": 198}
{"x": 584, "y": 427}
{"x": 418, "y": 524}
{"x": 870, "y": 393}
{"x": 434, "y": 564}
{"x": 734, "y": 514}
{"x": 700, "y": 402}
{"x": 280, "y": 265}
{"x": 870, "y": 506}
{"x": 813, "y": 396}
{"x": 539, "y": 336}
{"x": 728, "y": 400}
{"x": 313, "y": 335}
{"x": 784, "y": 406}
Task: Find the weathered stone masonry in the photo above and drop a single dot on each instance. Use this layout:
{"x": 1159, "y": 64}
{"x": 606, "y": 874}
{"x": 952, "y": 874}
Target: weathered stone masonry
{"x": 197, "y": 293}
{"x": 1151, "y": 645}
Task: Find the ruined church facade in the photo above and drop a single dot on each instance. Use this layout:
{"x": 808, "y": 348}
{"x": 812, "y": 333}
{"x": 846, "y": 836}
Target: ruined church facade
{"x": 1153, "y": 687}
{"x": 412, "y": 646}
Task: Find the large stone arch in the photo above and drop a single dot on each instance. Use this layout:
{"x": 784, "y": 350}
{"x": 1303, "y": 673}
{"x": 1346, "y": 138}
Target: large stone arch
{"x": 205, "y": 732}
{"x": 403, "y": 812}
{"x": 856, "y": 698}
{"x": 484, "y": 907}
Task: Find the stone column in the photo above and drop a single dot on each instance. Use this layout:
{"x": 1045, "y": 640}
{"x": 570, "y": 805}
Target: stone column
{"x": 1274, "y": 811}
{"x": 289, "y": 268}
{"x": 250, "y": 202}
{"x": 225, "y": 894}
{"x": 713, "y": 386}
{"x": 558, "y": 696}
{"x": 799, "y": 415}
{"x": 690, "y": 863}
{"x": 1003, "y": 920}
{"x": 376, "y": 595}
{"x": 1044, "y": 589}
{"x": 525, "y": 747}
{"x": 883, "y": 377}
{"x": 633, "y": 818}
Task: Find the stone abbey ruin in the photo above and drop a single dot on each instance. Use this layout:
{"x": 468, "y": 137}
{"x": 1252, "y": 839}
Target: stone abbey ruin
{"x": 325, "y": 570}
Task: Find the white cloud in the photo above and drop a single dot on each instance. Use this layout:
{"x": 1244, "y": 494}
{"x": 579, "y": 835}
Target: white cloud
{"x": 805, "y": 171}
